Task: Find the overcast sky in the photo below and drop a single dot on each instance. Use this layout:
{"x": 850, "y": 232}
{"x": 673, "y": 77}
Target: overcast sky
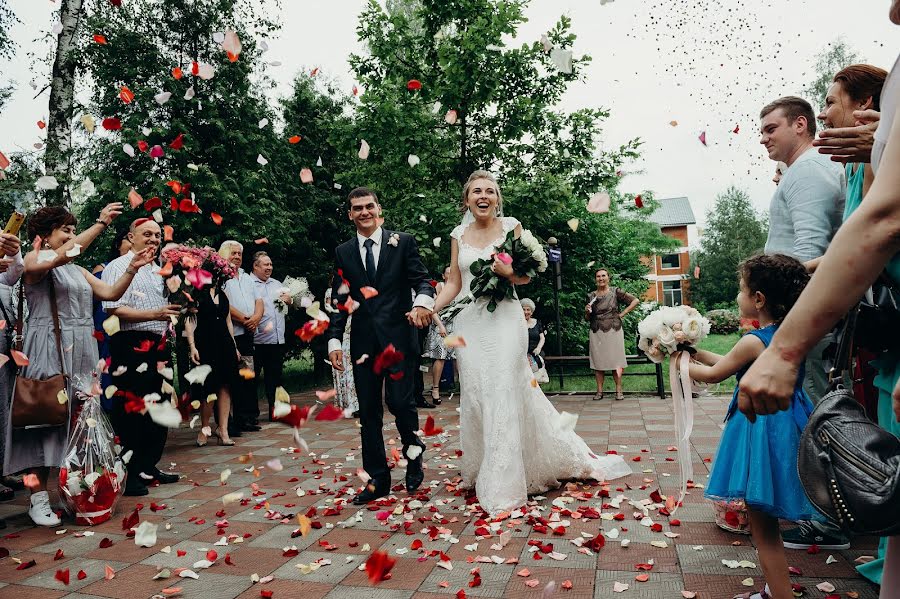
{"x": 708, "y": 65}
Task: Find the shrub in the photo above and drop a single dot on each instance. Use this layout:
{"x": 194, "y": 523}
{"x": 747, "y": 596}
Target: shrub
{"x": 723, "y": 322}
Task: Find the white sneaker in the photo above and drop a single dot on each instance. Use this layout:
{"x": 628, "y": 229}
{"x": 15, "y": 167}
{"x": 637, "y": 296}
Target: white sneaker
{"x": 40, "y": 512}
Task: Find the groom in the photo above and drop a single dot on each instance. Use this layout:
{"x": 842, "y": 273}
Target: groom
{"x": 389, "y": 263}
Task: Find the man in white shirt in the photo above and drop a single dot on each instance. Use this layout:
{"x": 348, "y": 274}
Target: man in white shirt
{"x": 246, "y": 314}
{"x": 268, "y": 340}
{"x": 139, "y": 347}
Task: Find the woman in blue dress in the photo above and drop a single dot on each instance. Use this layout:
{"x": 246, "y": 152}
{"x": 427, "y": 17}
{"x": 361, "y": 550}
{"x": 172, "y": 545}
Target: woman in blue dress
{"x": 757, "y": 461}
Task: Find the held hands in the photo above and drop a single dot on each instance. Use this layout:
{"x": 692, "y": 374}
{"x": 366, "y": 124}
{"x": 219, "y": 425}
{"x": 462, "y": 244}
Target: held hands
{"x": 337, "y": 360}
{"x": 9, "y": 244}
{"x": 419, "y": 317}
{"x": 110, "y": 212}
{"x": 768, "y": 385}
{"x": 851, "y": 144}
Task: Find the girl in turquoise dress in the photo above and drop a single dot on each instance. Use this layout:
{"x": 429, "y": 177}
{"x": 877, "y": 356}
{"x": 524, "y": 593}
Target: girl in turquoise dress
{"x": 757, "y": 461}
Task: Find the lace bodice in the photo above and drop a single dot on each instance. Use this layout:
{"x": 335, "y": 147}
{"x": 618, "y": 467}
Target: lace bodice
{"x": 469, "y": 254}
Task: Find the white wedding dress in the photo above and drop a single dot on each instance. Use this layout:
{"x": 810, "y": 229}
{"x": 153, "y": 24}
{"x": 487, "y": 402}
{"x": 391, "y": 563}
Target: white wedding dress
{"x": 513, "y": 440}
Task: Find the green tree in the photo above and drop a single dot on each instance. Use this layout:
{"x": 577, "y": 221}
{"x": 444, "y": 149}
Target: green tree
{"x": 438, "y": 88}
{"x": 834, "y": 57}
{"x": 211, "y": 130}
{"x": 734, "y": 232}
{"x": 7, "y": 47}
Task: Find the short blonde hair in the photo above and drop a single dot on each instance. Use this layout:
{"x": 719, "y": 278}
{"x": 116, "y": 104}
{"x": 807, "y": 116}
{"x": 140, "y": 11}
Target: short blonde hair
{"x": 227, "y": 248}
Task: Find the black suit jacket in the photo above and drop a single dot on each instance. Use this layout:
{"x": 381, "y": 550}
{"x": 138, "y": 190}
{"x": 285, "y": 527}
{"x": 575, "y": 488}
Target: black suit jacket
{"x": 380, "y": 320}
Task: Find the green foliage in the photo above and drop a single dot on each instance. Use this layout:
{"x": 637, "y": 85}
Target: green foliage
{"x": 734, "y": 232}
{"x": 548, "y": 161}
{"x": 834, "y": 57}
{"x": 219, "y": 125}
{"x": 723, "y": 322}
{"x": 7, "y": 46}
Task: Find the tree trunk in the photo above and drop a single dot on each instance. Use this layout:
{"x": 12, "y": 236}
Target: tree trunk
{"x": 62, "y": 93}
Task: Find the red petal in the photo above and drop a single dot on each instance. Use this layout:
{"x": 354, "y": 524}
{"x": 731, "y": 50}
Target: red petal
{"x": 63, "y": 576}
{"x": 378, "y": 566}
{"x": 81, "y": 575}
{"x": 177, "y": 73}
{"x": 100, "y": 39}
{"x": 111, "y": 124}
{"x": 414, "y": 85}
{"x": 59, "y": 555}
{"x": 105, "y": 543}
{"x": 216, "y": 217}
{"x": 430, "y": 429}
{"x": 329, "y": 413}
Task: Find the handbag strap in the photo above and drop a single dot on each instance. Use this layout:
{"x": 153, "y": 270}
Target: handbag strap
{"x": 842, "y": 357}
{"x": 57, "y": 332}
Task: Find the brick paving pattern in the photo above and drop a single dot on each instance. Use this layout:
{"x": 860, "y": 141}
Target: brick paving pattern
{"x": 192, "y": 519}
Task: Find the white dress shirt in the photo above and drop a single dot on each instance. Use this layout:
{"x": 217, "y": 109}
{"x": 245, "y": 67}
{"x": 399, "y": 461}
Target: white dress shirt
{"x": 13, "y": 271}
{"x": 271, "y": 328}
{"x": 145, "y": 292}
{"x": 241, "y": 296}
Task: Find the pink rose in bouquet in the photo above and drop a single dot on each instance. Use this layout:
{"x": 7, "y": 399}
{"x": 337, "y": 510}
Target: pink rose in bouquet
{"x": 191, "y": 269}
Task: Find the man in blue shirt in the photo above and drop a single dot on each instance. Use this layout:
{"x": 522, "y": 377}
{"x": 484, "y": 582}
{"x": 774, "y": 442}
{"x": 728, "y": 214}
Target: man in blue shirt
{"x": 268, "y": 341}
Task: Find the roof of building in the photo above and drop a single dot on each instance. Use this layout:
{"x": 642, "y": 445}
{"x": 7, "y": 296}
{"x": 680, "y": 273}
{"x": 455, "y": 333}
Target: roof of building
{"x": 673, "y": 212}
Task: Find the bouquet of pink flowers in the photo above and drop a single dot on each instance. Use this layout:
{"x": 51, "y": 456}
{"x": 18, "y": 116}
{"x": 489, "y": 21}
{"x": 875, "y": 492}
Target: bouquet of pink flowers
{"x": 191, "y": 269}
{"x": 92, "y": 475}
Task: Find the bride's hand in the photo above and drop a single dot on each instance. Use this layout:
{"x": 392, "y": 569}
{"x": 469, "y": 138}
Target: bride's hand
{"x": 502, "y": 270}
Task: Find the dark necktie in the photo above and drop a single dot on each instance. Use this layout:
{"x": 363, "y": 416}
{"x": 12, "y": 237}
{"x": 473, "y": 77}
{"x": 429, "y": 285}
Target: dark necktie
{"x": 370, "y": 260}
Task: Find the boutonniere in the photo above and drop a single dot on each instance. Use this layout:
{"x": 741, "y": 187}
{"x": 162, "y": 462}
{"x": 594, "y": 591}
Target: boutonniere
{"x": 394, "y": 239}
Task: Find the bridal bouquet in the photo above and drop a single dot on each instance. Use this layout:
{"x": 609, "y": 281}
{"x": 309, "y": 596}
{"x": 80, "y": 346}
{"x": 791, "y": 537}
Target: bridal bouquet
{"x": 664, "y": 329}
{"x": 297, "y": 290}
{"x": 190, "y": 269}
{"x": 92, "y": 475}
{"x": 525, "y": 254}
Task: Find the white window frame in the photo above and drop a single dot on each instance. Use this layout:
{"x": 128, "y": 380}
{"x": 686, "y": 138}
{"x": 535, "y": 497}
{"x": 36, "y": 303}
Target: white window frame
{"x": 662, "y": 265}
{"x": 669, "y": 295}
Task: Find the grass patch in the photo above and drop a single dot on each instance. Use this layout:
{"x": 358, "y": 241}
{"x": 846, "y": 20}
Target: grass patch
{"x": 720, "y": 344}
{"x": 298, "y": 374}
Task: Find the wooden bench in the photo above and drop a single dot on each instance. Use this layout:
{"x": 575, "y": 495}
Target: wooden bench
{"x": 571, "y": 365}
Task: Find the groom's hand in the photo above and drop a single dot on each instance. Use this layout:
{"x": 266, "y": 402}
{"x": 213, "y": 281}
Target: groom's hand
{"x": 419, "y": 317}
{"x": 337, "y": 360}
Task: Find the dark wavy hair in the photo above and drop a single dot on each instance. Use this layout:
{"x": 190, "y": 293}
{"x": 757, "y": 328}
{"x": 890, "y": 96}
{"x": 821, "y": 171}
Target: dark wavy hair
{"x": 45, "y": 220}
{"x": 778, "y": 277}
{"x": 116, "y": 243}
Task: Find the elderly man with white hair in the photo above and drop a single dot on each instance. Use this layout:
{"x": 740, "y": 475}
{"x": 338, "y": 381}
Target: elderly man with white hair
{"x": 246, "y": 313}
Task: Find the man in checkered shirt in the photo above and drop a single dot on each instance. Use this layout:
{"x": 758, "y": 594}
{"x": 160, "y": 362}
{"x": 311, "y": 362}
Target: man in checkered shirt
{"x": 140, "y": 348}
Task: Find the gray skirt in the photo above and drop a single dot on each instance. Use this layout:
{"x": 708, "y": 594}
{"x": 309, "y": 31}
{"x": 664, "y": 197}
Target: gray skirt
{"x": 607, "y": 350}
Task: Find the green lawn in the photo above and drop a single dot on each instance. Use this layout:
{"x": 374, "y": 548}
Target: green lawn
{"x": 298, "y": 374}
{"x": 719, "y": 344}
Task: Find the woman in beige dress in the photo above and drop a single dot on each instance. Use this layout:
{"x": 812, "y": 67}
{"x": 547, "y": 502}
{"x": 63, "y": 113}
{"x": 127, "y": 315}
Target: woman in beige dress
{"x": 607, "y": 341}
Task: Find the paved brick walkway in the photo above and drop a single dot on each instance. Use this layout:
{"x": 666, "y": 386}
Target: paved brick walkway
{"x": 192, "y": 518}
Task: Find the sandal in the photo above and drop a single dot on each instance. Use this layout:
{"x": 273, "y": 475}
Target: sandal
{"x": 598, "y": 396}
{"x": 7, "y": 494}
{"x": 620, "y": 396}
{"x": 436, "y": 395}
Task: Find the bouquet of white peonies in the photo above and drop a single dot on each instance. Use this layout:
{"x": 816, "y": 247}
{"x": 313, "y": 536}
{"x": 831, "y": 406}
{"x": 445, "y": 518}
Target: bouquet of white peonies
{"x": 665, "y": 329}
{"x": 297, "y": 290}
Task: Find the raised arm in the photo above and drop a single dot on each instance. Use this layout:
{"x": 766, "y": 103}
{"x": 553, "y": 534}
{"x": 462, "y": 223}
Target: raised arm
{"x": 105, "y": 291}
{"x": 36, "y": 270}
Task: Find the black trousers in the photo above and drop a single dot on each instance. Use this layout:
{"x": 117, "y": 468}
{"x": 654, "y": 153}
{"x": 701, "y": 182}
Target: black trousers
{"x": 137, "y": 432}
{"x": 244, "y": 404}
{"x": 268, "y": 360}
{"x": 398, "y": 395}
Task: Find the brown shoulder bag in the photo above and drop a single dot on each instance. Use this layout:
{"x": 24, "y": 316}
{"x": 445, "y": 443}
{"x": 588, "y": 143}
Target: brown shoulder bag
{"x": 36, "y": 402}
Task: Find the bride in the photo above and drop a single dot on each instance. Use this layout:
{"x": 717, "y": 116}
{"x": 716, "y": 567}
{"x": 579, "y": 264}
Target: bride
{"x": 514, "y": 442}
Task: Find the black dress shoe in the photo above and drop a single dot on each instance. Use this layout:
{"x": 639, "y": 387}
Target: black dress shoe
{"x": 424, "y": 403}
{"x": 414, "y": 473}
{"x": 250, "y": 428}
{"x": 234, "y": 432}
{"x": 371, "y": 493}
{"x": 355, "y": 414}
{"x": 164, "y": 478}
{"x": 135, "y": 489}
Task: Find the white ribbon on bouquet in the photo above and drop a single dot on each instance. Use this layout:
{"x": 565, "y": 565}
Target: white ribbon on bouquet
{"x": 683, "y": 405}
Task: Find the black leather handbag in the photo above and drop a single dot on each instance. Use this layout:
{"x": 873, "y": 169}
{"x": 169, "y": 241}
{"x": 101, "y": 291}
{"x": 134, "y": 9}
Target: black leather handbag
{"x": 848, "y": 465}
{"x": 879, "y": 316}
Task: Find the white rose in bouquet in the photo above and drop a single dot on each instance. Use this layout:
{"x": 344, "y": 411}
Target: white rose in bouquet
{"x": 73, "y": 482}
{"x": 666, "y": 338}
{"x": 694, "y": 329}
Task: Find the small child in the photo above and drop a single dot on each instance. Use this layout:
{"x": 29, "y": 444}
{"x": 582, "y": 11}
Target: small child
{"x": 757, "y": 462}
